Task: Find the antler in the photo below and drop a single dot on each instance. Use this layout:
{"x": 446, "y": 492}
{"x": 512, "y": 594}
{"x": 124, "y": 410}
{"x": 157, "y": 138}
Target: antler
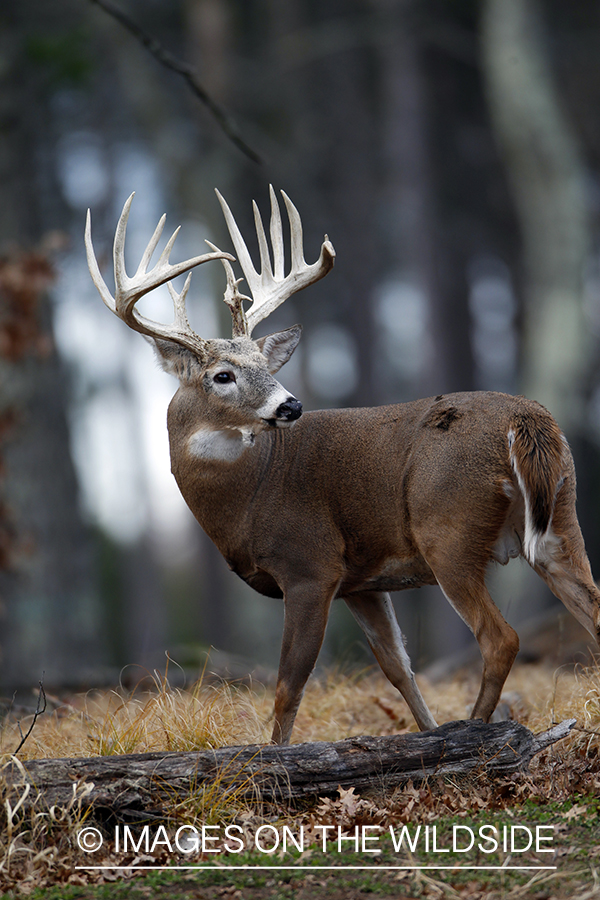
{"x": 271, "y": 287}
{"x": 129, "y": 290}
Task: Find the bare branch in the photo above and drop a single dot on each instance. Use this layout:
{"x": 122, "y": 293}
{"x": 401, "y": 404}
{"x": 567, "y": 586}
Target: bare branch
{"x": 187, "y": 72}
{"x": 38, "y": 712}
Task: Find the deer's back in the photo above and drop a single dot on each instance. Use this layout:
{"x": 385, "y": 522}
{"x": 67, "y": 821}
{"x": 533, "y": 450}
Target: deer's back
{"x": 385, "y": 456}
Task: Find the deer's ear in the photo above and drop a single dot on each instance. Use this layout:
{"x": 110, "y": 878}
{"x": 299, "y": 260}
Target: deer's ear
{"x": 278, "y": 347}
{"x": 175, "y": 359}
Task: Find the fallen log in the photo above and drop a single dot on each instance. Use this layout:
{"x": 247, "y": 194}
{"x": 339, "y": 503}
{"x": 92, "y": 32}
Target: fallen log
{"x": 135, "y": 785}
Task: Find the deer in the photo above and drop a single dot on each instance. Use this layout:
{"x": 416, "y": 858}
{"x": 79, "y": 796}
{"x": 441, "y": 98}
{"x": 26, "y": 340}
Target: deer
{"x": 351, "y": 503}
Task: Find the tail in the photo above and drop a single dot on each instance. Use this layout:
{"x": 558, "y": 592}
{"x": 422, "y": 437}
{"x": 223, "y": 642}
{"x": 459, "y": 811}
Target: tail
{"x": 539, "y": 456}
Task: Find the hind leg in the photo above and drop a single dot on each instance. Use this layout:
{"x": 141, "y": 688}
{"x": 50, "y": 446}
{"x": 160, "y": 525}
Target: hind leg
{"x": 375, "y": 614}
{"x": 561, "y": 561}
{"x": 459, "y": 566}
{"x": 498, "y": 642}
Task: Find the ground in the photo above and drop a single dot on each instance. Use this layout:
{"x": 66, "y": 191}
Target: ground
{"x": 467, "y": 823}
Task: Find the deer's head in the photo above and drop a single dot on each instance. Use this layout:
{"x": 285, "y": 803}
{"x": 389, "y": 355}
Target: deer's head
{"x": 234, "y": 377}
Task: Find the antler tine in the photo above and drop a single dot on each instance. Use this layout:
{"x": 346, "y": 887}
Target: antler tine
{"x": 179, "y": 308}
{"x": 233, "y": 299}
{"x": 129, "y": 290}
{"x": 151, "y": 246}
{"x": 276, "y": 237}
{"x": 266, "y": 272}
{"x": 119, "y": 246}
{"x": 272, "y": 287}
{"x": 164, "y": 256}
{"x": 243, "y": 255}
{"x": 296, "y": 237}
{"x": 95, "y": 268}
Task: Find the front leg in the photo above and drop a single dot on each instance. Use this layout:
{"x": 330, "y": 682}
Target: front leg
{"x": 306, "y": 613}
{"x": 375, "y": 614}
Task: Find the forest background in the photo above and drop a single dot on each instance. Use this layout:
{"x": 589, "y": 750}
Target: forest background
{"x": 451, "y": 151}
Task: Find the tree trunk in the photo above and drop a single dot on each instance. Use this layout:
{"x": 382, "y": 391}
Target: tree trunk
{"x": 50, "y": 622}
{"x": 546, "y": 176}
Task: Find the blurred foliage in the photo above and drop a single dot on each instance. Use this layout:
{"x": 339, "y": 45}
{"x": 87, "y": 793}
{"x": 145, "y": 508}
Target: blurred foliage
{"x": 65, "y": 59}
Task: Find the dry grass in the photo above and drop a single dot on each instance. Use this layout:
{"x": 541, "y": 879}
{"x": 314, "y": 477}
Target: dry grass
{"x": 37, "y": 845}
{"x": 336, "y": 706}
{"x": 105, "y": 723}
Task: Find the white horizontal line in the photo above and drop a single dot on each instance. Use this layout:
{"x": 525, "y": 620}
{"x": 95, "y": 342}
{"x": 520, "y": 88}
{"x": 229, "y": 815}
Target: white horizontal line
{"x": 201, "y": 868}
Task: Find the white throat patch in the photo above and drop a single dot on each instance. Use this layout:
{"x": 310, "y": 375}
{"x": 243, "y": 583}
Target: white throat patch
{"x": 226, "y": 446}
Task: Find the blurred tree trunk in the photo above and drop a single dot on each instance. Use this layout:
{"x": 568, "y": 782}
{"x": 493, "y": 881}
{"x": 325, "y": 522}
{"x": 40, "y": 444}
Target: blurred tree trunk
{"x": 51, "y": 618}
{"x": 546, "y": 175}
{"x": 349, "y": 182}
{"x": 322, "y": 97}
{"x": 421, "y": 239}
{"x": 50, "y": 615}
{"x": 416, "y": 250}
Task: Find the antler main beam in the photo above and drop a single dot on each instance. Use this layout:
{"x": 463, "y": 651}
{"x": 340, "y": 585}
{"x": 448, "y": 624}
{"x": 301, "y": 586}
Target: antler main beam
{"x": 129, "y": 290}
{"x": 271, "y": 287}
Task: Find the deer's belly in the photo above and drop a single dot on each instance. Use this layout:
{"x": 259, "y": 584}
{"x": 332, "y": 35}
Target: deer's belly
{"x": 391, "y": 575}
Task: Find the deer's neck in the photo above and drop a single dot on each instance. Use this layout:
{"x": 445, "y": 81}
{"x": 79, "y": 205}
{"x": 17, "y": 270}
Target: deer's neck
{"x": 219, "y": 476}
{"x": 218, "y": 469}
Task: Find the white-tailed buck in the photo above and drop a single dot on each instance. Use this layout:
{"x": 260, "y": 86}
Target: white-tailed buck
{"x": 353, "y": 503}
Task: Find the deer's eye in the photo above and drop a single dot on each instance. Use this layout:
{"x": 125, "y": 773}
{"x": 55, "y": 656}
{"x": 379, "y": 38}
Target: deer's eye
{"x": 224, "y": 378}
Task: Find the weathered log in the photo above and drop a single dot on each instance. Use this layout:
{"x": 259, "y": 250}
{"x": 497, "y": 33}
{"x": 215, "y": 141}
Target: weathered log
{"x": 135, "y": 784}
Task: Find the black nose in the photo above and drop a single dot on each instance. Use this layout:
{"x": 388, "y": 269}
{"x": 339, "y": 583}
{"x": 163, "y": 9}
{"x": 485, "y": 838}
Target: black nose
{"x": 290, "y": 410}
